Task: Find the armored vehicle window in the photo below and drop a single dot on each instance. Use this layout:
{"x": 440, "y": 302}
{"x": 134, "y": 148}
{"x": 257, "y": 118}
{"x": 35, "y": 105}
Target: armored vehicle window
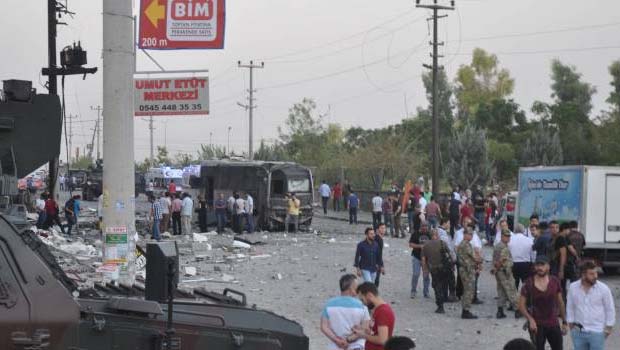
{"x": 299, "y": 185}
{"x": 277, "y": 186}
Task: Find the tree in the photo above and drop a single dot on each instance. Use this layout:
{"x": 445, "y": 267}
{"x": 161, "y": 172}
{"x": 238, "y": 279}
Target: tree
{"x": 275, "y": 152}
{"x": 543, "y": 147}
{"x": 207, "y": 152}
{"x": 614, "y": 95}
{"x": 468, "y": 162}
{"x": 481, "y": 82}
{"x": 570, "y": 113}
{"x": 162, "y": 155}
{"x": 609, "y": 123}
{"x": 83, "y": 162}
{"x": 183, "y": 159}
{"x": 501, "y": 118}
{"x": 144, "y": 166}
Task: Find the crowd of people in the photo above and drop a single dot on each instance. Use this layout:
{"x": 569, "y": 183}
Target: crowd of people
{"x": 560, "y": 292}
{"x": 49, "y": 213}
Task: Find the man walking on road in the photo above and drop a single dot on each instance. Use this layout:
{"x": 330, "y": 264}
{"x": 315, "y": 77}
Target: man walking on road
{"x": 416, "y": 243}
{"x": 354, "y": 203}
{"x": 543, "y": 294}
{"x": 324, "y": 191}
{"x": 187, "y": 211}
{"x": 468, "y": 265}
{"x": 337, "y": 196}
{"x": 590, "y": 310}
{"x": 502, "y": 269}
{"x": 388, "y": 213}
{"x": 249, "y": 212}
{"x": 436, "y": 260}
{"x": 367, "y": 259}
{"x": 165, "y": 204}
{"x": 379, "y": 239}
{"x": 377, "y": 210}
{"x": 342, "y": 314}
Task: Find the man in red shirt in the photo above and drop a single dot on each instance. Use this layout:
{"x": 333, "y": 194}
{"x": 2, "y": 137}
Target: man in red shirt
{"x": 51, "y": 212}
{"x": 337, "y": 196}
{"x": 172, "y": 188}
{"x": 383, "y": 318}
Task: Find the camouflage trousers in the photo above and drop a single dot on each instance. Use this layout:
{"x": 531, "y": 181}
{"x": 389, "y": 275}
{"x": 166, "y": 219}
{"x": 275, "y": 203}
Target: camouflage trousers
{"x": 506, "y": 290}
{"x": 468, "y": 280}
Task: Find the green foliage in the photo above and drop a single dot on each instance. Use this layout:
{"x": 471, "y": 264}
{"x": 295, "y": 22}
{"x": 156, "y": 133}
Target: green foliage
{"x": 481, "y": 82}
{"x": 543, "y": 147}
{"x": 83, "y": 163}
{"x": 570, "y": 112}
{"x": 614, "y": 95}
{"x": 468, "y": 163}
{"x": 183, "y": 159}
{"x": 162, "y": 156}
{"x": 144, "y": 166}
{"x": 207, "y": 152}
{"x": 275, "y": 152}
{"x": 504, "y": 160}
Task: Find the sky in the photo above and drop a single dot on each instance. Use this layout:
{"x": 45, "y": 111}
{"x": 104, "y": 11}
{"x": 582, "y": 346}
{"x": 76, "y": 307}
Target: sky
{"x": 360, "y": 60}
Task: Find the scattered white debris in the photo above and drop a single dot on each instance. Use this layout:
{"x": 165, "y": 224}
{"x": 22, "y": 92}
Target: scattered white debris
{"x": 332, "y": 240}
{"x": 239, "y": 244}
{"x": 190, "y": 271}
{"x": 277, "y": 276}
{"x": 199, "y": 237}
{"x": 260, "y": 256}
{"x": 227, "y": 277}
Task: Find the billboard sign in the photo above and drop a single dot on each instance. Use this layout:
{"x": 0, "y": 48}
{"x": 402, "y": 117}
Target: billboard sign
{"x": 552, "y": 194}
{"x": 181, "y": 24}
{"x": 171, "y": 96}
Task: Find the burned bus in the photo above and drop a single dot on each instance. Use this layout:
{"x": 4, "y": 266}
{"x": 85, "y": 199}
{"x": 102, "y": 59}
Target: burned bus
{"x": 267, "y": 182}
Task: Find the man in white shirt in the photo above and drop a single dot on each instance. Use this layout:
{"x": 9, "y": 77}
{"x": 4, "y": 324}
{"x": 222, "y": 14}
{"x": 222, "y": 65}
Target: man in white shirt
{"x": 533, "y": 222}
{"x": 239, "y": 214}
{"x": 520, "y": 247}
{"x": 341, "y": 314}
{"x": 422, "y": 202}
{"x": 61, "y": 182}
{"x": 590, "y": 310}
{"x": 249, "y": 212}
{"x": 187, "y": 210}
{"x": 377, "y": 210}
{"x": 324, "y": 191}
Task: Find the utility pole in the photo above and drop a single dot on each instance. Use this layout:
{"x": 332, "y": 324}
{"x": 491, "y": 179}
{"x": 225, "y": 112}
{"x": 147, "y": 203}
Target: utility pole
{"x": 151, "y": 129}
{"x": 52, "y": 82}
{"x": 98, "y": 109}
{"x": 119, "y": 227}
{"x": 228, "y": 145}
{"x": 70, "y": 137}
{"x": 250, "y": 106}
{"x": 435, "y": 69}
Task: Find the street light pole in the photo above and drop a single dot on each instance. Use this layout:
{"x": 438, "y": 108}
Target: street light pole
{"x": 228, "y": 146}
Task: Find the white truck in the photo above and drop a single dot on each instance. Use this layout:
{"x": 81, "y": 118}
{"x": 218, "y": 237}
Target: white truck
{"x": 589, "y": 195}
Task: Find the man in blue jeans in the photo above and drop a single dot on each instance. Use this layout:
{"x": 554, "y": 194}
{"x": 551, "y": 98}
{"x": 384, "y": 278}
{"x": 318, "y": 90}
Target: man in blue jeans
{"x": 416, "y": 242}
{"x": 367, "y": 258}
{"x": 354, "y": 203}
{"x": 156, "y": 215}
{"x": 590, "y": 310}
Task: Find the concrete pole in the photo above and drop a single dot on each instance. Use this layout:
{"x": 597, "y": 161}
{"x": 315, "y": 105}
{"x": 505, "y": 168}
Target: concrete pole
{"x": 118, "y": 145}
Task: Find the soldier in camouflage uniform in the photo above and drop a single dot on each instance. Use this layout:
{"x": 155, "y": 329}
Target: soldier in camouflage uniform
{"x": 468, "y": 264}
{"x": 502, "y": 268}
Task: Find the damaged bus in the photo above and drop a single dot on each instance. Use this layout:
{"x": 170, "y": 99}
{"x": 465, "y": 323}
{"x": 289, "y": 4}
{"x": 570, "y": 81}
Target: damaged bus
{"x": 267, "y": 182}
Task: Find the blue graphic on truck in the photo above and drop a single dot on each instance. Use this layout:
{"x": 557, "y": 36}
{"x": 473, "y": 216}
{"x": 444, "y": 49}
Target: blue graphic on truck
{"x": 551, "y": 194}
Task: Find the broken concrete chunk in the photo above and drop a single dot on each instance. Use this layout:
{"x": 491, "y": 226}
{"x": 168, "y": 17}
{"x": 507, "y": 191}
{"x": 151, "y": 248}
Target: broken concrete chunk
{"x": 190, "y": 271}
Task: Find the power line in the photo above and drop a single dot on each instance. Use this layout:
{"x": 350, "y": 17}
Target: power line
{"x": 547, "y": 51}
{"x": 330, "y": 43}
{"x": 347, "y": 48}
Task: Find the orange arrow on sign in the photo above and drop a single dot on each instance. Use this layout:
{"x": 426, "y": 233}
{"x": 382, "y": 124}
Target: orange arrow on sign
{"x": 154, "y": 12}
